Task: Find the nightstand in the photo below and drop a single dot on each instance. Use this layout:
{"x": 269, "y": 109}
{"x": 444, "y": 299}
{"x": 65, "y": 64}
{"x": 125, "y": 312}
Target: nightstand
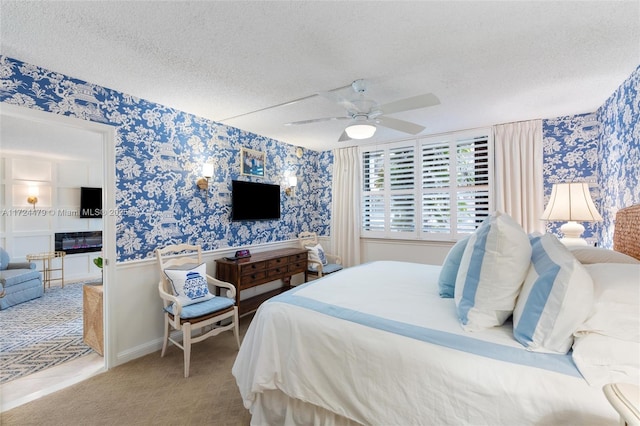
{"x": 625, "y": 398}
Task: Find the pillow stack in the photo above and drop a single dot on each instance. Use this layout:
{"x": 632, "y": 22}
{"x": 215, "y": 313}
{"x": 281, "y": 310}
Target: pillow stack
{"x": 492, "y": 269}
{"x": 557, "y": 303}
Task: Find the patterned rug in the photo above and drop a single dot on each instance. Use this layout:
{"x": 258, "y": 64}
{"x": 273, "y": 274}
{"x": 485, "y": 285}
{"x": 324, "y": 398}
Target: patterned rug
{"x": 42, "y": 333}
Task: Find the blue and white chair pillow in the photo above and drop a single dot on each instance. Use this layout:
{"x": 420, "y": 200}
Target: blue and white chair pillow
{"x": 190, "y": 285}
{"x": 317, "y": 254}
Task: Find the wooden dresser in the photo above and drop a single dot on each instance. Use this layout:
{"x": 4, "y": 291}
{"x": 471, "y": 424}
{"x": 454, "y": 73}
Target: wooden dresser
{"x": 259, "y": 269}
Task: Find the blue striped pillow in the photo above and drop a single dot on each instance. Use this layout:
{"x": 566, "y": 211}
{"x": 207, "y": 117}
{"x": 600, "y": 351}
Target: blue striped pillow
{"x": 556, "y": 298}
{"x": 492, "y": 269}
{"x": 449, "y": 270}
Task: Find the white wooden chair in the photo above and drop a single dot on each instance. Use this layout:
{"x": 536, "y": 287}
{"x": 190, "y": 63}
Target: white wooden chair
{"x": 210, "y": 315}
{"x": 319, "y": 262}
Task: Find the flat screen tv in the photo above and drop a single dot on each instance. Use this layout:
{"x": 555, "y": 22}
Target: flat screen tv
{"x": 254, "y": 201}
{"x": 90, "y": 202}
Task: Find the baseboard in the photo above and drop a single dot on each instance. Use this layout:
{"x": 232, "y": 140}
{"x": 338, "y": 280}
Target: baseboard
{"x": 138, "y": 351}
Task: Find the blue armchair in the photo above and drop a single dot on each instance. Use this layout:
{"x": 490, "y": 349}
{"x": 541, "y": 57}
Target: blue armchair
{"x": 19, "y": 281}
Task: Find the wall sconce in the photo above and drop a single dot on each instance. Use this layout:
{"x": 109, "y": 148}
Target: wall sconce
{"x": 32, "y": 196}
{"x": 290, "y": 190}
{"x": 203, "y": 182}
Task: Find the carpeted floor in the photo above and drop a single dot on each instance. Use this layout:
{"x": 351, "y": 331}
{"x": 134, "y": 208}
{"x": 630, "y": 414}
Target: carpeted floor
{"x": 42, "y": 333}
{"x": 150, "y": 391}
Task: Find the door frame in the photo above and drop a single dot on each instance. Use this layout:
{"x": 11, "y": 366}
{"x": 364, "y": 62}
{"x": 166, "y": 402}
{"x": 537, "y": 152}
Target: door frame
{"x": 108, "y": 136}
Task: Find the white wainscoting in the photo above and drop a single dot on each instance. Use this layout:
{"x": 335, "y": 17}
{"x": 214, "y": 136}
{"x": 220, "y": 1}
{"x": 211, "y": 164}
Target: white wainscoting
{"x": 427, "y": 252}
{"x": 136, "y": 311}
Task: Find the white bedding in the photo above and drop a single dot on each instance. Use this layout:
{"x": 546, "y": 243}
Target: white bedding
{"x": 320, "y": 354}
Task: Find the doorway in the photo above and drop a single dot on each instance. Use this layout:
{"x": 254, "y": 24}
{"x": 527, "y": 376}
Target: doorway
{"x": 80, "y": 138}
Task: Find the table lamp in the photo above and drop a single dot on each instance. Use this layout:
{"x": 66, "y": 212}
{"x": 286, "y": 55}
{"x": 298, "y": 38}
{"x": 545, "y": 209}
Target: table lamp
{"x": 571, "y": 202}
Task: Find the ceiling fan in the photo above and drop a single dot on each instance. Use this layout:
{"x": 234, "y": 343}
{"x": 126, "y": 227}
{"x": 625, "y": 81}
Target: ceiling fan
{"x": 365, "y": 114}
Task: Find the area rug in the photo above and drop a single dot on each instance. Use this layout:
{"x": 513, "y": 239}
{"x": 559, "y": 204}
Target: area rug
{"x": 42, "y": 333}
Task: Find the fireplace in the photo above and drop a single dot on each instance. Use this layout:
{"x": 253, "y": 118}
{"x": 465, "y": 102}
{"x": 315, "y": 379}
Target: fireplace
{"x": 78, "y": 242}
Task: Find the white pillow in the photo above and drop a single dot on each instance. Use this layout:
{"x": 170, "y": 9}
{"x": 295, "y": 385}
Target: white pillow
{"x": 316, "y": 254}
{"x": 603, "y": 359}
{"x": 491, "y": 272}
{"x": 588, "y": 255}
{"x": 555, "y": 299}
{"x": 190, "y": 285}
{"x": 616, "y": 307}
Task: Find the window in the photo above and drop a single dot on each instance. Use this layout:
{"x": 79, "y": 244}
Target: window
{"x": 433, "y": 188}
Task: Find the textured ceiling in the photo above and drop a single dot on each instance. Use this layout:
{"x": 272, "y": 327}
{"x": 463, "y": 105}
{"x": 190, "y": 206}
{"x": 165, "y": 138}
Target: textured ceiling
{"x": 488, "y": 62}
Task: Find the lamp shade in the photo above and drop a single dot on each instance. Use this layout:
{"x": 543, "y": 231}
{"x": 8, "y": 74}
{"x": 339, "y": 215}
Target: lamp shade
{"x": 207, "y": 170}
{"x": 360, "y": 131}
{"x": 33, "y": 191}
{"x": 571, "y": 202}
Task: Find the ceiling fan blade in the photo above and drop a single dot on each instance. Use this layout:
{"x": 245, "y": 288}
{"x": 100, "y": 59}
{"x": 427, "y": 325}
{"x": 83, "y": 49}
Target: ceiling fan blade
{"x": 335, "y": 98}
{"x": 344, "y": 137}
{"x": 316, "y": 120}
{"x": 401, "y": 125}
{"x": 415, "y": 102}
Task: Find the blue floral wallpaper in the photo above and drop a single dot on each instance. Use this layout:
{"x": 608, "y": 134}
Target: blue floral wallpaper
{"x": 602, "y": 148}
{"x": 160, "y": 152}
{"x": 619, "y": 153}
{"x": 159, "y": 155}
{"x": 570, "y": 154}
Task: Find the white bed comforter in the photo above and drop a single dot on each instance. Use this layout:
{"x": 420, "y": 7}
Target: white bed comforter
{"x": 323, "y": 350}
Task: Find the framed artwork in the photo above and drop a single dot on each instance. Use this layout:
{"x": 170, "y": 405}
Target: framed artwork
{"x": 252, "y": 162}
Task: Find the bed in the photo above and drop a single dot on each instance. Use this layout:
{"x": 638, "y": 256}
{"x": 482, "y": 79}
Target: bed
{"x": 377, "y": 344}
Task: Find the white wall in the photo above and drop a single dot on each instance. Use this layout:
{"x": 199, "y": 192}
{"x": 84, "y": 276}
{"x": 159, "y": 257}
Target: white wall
{"x": 427, "y": 252}
{"x": 25, "y": 229}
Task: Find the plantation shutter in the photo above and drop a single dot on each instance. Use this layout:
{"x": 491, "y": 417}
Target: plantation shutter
{"x": 472, "y": 176}
{"x": 373, "y": 201}
{"x": 435, "y": 188}
{"x": 401, "y": 185}
{"x": 436, "y": 179}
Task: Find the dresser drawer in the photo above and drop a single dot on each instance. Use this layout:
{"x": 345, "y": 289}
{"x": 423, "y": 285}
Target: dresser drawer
{"x": 296, "y": 267}
{"x": 277, "y": 272}
{"x": 280, "y": 261}
{"x": 300, "y": 257}
{"x": 252, "y": 278}
{"x": 252, "y": 268}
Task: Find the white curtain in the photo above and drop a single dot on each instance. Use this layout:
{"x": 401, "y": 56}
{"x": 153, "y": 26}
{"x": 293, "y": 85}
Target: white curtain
{"x": 518, "y": 181}
{"x": 345, "y": 206}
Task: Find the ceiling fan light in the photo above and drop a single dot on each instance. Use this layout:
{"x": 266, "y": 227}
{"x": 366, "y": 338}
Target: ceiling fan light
{"x": 360, "y": 131}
